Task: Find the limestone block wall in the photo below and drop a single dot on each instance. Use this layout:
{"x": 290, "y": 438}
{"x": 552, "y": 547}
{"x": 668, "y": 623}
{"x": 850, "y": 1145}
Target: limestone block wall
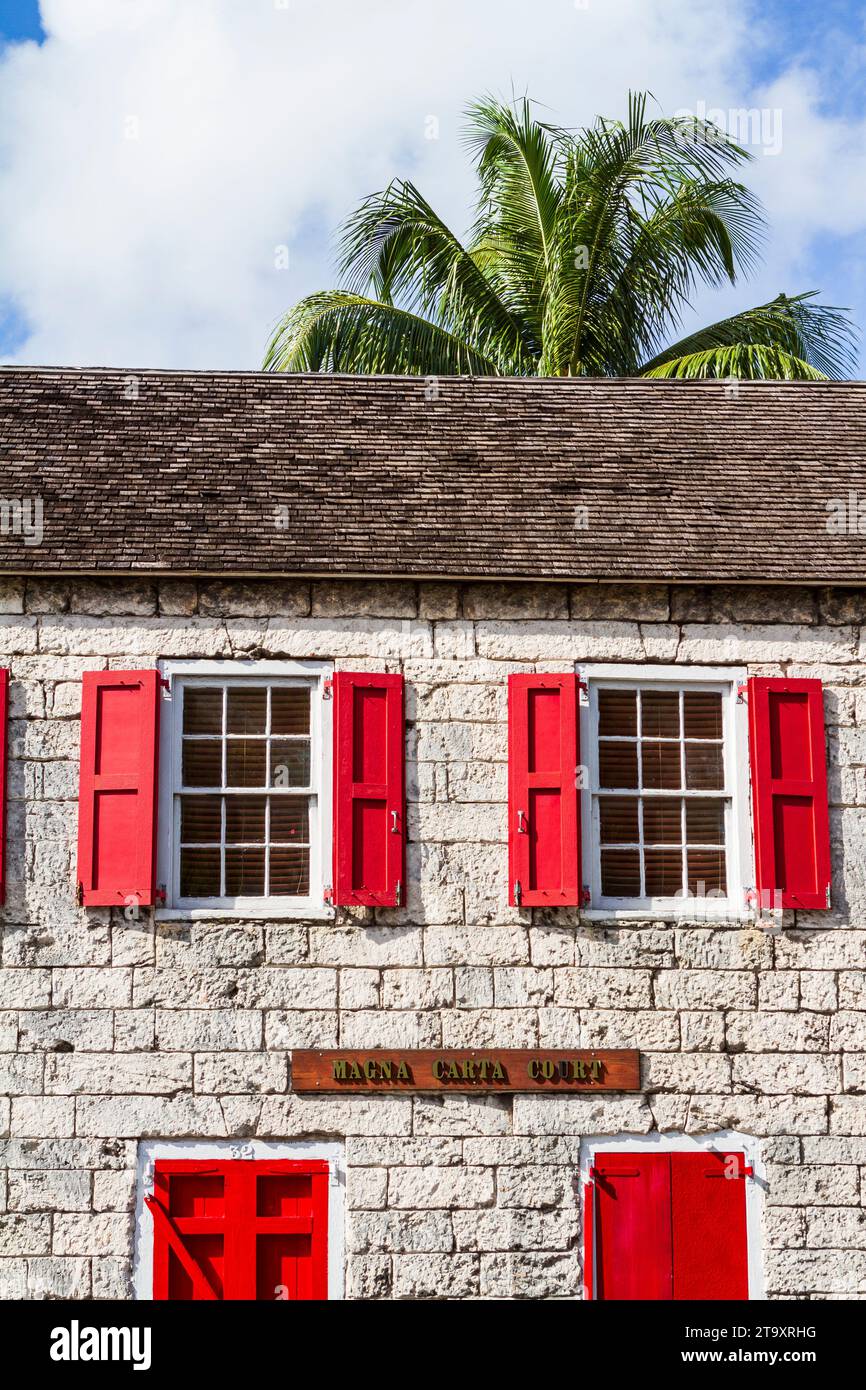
{"x": 114, "y": 1031}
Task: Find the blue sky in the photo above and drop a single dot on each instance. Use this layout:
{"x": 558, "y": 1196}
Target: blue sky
{"x": 161, "y": 159}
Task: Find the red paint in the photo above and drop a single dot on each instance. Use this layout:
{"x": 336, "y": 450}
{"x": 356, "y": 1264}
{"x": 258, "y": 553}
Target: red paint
{"x": 708, "y": 1208}
{"x": 117, "y": 788}
{"x": 4, "y": 739}
{"x": 589, "y": 1240}
{"x": 543, "y": 799}
{"x": 240, "y": 1229}
{"x": 789, "y": 792}
{"x": 369, "y": 815}
{"x": 667, "y": 1226}
{"x": 633, "y": 1236}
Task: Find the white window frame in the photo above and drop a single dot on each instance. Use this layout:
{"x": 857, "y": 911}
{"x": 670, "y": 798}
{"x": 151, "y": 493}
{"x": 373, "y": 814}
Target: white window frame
{"x": 312, "y": 673}
{"x": 301, "y": 1149}
{"x": 724, "y": 1140}
{"x": 738, "y": 838}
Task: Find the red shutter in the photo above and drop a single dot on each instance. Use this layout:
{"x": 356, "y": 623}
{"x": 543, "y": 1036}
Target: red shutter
{"x": 543, "y": 808}
{"x": 240, "y": 1229}
{"x": 669, "y": 1226}
{"x": 633, "y": 1226}
{"x": 789, "y": 792}
{"x": 117, "y": 788}
{"x": 369, "y": 816}
{"x": 4, "y": 739}
{"x": 708, "y": 1208}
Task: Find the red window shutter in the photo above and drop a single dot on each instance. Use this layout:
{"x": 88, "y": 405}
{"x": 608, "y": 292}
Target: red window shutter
{"x": 543, "y": 804}
{"x": 670, "y": 1226}
{"x": 117, "y": 788}
{"x": 708, "y": 1209}
{"x": 240, "y": 1229}
{"x": 369, "y": 825}
{"x": 4, "y": 740}
{"x": 633, "y": 1226}
{"x": 789, "y": 792}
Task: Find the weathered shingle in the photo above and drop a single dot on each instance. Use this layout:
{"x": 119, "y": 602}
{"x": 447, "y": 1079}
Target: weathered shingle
{"x": 536, "y": 479}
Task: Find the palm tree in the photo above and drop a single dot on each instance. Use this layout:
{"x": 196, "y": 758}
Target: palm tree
{"x": 584, "y": 254}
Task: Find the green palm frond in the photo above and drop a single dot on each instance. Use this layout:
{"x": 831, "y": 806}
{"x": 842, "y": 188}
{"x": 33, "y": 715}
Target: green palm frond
{"x": 584, "y": 256}
{"x": 792, "y": 339}
{"x": 337, "y": 331}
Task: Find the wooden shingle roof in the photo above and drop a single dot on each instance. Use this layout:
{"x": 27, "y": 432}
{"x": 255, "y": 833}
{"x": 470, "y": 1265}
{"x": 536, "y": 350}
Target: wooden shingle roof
{"x": 581, "y": 479}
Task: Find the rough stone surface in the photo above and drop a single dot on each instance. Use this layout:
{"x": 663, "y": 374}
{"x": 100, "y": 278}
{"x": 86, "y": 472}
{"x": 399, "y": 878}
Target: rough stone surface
{"x": 112, "y": 1032}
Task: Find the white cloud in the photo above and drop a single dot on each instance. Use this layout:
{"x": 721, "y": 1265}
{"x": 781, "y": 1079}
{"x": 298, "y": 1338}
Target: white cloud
{"x": 155, "y": 153}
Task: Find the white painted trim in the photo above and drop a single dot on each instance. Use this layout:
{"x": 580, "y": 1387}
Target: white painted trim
{"x": 738, "y": 836}
{"x": 724, "y": 1139}
{"x": 174, "y": 1149}
{"x": 313, "y": 907}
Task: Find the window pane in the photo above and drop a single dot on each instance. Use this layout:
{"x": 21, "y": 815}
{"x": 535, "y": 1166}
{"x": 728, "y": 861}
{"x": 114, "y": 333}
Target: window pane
{"x": 660, "y": 713}
{"x": 245, "y": 819}
{"x": 707, "y": 867}
{"x": 620, "y": 873}
{"x": 202, "y": 710}
{"x": 200, "y": 819}
{"x": 663, "y": 872}
{"x": 705, "y": 822}
{"x": 290, "y": 710}
{"x": 247, "y": 709}
{"x": 199, "y": 873}
{"x": 245, "y": 873}
{"x": 617, "y": 712}
{"x": 661, "y": 764}
{"x": 245, "y": 762}
{"x": 290, "y": 872}
{"x": 704, "y": 768}
{"x": 618, "y": 820}
{"x": 202, "y": 762}
{"x": 290, "y": 819}
{"x": 662, "y": 822}
{"x": 617, "y": 764}
{"x": 702, "y": 710}
{"x": 290, "y": 762}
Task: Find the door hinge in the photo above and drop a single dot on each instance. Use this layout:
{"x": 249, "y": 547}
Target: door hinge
{"x": 742, "y": 694}
{"x": 159, "y": 895}
{"x": 328, "y": 894}
{"x": 585, "y": 896}
{"x": 164, "y": 682}
{"x": 327, "y": 687}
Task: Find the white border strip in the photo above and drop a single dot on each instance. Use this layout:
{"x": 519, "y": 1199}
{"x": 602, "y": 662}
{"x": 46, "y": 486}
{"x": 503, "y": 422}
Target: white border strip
{"x": 152, "y": 1149}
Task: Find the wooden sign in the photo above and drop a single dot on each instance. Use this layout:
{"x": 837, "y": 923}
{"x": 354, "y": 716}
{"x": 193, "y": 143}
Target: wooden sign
{"x": 467, "y": 1069}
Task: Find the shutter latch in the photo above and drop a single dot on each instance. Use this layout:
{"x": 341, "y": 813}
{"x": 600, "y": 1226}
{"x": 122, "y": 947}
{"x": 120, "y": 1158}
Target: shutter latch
{"x": 521, "y": 822}
{"x": 79, "y": 894}
{"x": 398, "y": 893}
{"x": 828, "y": 895}
{"x": 518, "y": 892}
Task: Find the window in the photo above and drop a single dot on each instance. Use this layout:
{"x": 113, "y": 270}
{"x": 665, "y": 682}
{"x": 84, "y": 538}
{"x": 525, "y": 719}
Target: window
{"x": 243, "y": 767}
{"x": 666, "y": 791}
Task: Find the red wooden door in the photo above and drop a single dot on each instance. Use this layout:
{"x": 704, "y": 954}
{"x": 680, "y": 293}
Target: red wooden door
{"x": 240, "y": 1229}
{"x": 633, "y": 1235}
{"x": 708, "y": 1211}
{"x": 669, "y": 1226}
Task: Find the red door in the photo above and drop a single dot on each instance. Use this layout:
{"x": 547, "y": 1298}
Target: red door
{"x": 668, "y": 1226}
{"x": 240, "y": 1229}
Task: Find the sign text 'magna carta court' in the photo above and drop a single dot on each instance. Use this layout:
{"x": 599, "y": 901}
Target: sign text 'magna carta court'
{"x": 469, "y": 1069}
